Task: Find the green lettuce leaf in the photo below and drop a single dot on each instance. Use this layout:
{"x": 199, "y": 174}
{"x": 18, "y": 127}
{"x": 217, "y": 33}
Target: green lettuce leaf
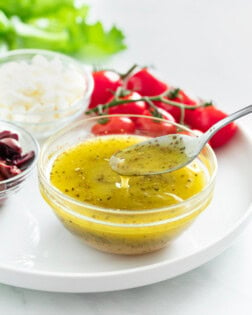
{"x": 97, "y": 42}
{"x": 27, "y": 8}
{"x": 63, "y": 29}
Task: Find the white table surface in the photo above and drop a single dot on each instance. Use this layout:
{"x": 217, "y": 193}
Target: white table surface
{"x": 204, "y": 46}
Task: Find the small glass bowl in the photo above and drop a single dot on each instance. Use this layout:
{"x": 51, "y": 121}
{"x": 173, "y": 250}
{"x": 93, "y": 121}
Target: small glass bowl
{"x": 27, "y": 143}
{"x": 44, "y": 123}
{"x": 116, "y": 231}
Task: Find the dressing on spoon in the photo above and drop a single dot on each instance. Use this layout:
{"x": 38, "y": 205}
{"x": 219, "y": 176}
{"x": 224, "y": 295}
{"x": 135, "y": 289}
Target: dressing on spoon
{"x": 167, "y": 153}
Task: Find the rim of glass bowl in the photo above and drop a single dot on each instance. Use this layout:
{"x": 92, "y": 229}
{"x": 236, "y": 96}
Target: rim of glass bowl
{"x": 46, "y": 180}
{"x": 83, "y": 68}
{"x": 35, "y": 147}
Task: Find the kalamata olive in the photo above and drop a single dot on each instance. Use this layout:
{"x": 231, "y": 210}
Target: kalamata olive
{"x": 12, "y": 161}
{"x": 9, "y": 147}
{"x": 8, "y": 134}
{"x": 24, "y": 160}
{"x": 8, "y": 171}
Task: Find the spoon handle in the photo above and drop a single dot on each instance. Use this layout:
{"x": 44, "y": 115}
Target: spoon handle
{"x": 222, "y": 123}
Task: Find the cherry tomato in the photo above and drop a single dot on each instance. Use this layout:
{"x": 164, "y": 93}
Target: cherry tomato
{"x": 114, "y": 125}
{"x": 104, "y": 82}
{"x": 179, "y": 97}
{"x": 155, "y": 128}
{"x": 146, "y": 84}
{"x": 203, "y": 118}
{"x": 136, "y": 108}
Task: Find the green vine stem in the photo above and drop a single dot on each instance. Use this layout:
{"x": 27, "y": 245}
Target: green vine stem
{"x": 159, "y": 98}
{"x": 126, "y": 74}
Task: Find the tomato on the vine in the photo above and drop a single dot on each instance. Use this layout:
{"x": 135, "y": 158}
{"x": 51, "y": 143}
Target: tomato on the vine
{"x": 133, "y": 108}
{"x": 178, "y": 96}
{"x": 114, "y": 125}
{"x": 105, "y": 82}
{"x": 203, "y": 118}
{"x": 146, "y": 83}
{"x": 154, "y": 127}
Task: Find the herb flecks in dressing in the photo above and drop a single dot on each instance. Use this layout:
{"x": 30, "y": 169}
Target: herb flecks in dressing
{"x": 84, "y": 173}
{"x": 150, "y": 158}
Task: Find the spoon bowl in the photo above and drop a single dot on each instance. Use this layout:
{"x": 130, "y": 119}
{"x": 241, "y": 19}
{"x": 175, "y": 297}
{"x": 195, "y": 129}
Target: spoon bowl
{"x": 166, "y": 153}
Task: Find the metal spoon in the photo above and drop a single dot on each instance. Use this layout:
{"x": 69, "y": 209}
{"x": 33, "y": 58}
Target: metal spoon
{"x": 167, "y": 153}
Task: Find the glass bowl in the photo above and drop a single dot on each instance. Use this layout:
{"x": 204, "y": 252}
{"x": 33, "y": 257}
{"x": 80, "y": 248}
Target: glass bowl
{"x": 27, "y": 143}
{"x": 116, "y": 231}
{"x": 44, "y": 121}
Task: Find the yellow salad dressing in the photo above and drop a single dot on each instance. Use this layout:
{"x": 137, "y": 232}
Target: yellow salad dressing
{"x": 132, "y": 226}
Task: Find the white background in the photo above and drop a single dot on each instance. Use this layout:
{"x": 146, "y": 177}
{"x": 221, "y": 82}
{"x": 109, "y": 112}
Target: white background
{"x": 204, "y": 46}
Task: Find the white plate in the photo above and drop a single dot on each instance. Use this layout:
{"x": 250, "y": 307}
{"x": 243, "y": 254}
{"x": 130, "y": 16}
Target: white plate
{"x": 36, "y": 252}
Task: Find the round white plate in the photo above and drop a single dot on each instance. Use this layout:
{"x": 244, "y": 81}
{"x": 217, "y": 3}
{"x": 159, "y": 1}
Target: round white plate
{"x": 36, "y": 252}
